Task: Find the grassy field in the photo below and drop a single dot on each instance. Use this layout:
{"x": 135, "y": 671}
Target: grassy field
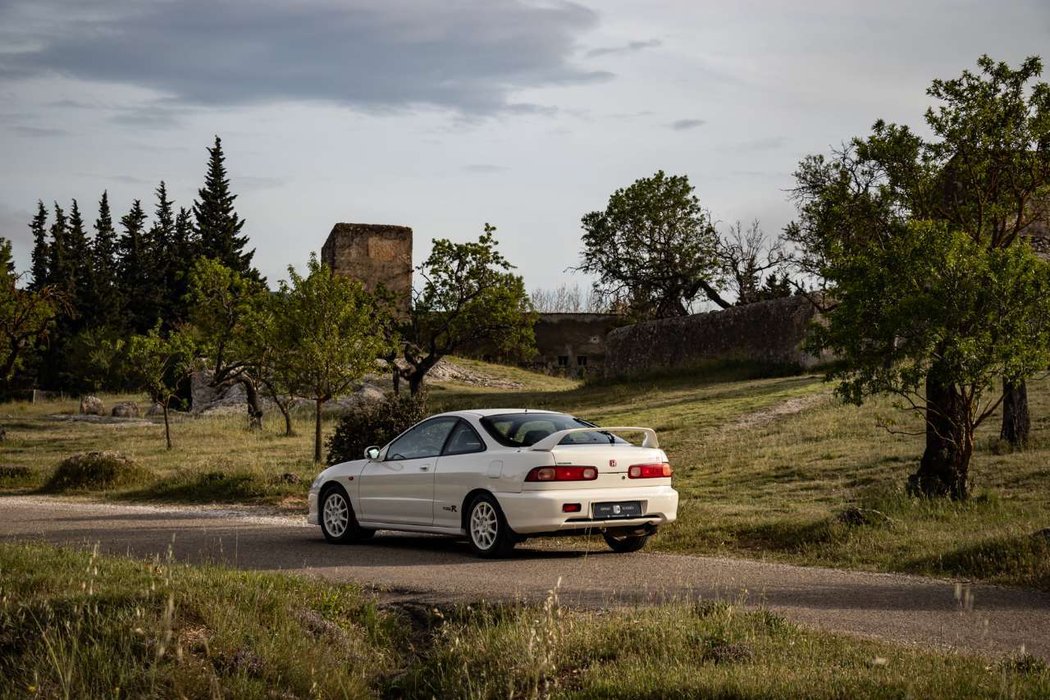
{"x": 765, "y": 465}
{"x": 74, "y": 624}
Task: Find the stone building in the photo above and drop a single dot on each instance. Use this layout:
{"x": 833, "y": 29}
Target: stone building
{"x": 573, "y": 344}
{"x": 375, "y": 254}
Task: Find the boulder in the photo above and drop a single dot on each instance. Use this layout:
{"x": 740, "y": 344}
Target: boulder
{"x": 157, "y": 409}
{"x": 125, "y": 409}
{"x": 92, "y": 406}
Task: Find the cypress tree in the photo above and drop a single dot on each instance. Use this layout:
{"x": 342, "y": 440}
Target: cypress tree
{"x": 163, "y": 264}
{"x": 59, "y": 273}
{"x": 133, "y": 269}
{"x": 41, "y": 248}
{"x": 183, "y": 254}
{"x": 218, "y": 225}
{"x": 105, "y": 292}
{"x": 79, "y": 267}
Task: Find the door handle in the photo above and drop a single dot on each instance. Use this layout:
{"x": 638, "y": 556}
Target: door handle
{"x": 424, "y": 467}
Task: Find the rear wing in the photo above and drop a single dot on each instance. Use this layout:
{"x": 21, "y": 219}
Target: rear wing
{"x": 551, "y": 441}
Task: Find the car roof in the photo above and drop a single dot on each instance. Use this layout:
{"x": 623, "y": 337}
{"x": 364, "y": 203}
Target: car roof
{"x": 483, "y": 412}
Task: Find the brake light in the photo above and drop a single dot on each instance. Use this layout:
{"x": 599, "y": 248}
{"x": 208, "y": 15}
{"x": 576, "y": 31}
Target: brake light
{"x": 650, "y": 471}
{"x": 562, "y": 474}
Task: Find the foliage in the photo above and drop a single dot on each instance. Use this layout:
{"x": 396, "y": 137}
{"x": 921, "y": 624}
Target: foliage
{"x": 159, "y": 364}
{"x": 228, "y": 314}
{"x": 985, "y": 175}
{"x": 27, "y": 318}
{"x": 374, "y": 423}
{"x": 893, "y": 325}
{"x": 566, "y": 299}
{"x": 218, "y": 227}
{"x": 469, "y": 298}
{"x": 326, "y": 336}
{"x": 654, "y": 249}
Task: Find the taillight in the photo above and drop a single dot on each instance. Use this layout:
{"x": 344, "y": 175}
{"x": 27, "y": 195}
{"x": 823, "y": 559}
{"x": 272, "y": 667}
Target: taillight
{"x": 649, "y": 471}
{"x": 562, "y": 474}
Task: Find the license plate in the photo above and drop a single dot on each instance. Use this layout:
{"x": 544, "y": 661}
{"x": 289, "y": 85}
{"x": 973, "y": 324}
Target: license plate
{"x": 625, "y": 509}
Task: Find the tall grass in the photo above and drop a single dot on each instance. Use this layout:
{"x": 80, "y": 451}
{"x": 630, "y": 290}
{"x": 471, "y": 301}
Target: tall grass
{"x": 74, "y": 624}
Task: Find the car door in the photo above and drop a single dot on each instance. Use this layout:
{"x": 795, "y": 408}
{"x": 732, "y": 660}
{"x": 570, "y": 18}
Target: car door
{"x": 462, "y": 467}
{"x": 400, "y": 488}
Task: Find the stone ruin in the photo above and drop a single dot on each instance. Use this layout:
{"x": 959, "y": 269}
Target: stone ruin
{"x": 375, "y": 254}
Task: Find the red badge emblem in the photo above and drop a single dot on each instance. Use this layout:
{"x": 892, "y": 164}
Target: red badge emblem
{"x": 612, "y": 462}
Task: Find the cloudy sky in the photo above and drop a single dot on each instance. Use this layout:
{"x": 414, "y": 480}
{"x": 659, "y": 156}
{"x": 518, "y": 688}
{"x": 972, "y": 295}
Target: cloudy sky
{"x": 447, "y": 114}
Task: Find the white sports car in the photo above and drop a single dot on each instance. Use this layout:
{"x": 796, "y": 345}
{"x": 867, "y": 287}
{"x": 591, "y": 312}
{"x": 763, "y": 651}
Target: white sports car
{"x": 499, "y": 476}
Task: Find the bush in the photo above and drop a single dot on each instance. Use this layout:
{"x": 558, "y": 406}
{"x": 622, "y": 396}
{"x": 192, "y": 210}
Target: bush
{"x": 374, "y": 423}
{"x": 92, "y": 471}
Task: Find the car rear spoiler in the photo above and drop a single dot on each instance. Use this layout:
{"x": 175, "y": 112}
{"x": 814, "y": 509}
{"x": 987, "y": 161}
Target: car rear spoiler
{"x": 551, "y": 441}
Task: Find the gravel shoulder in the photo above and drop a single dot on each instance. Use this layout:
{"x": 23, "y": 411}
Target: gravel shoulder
{"x": 912, "y": 610}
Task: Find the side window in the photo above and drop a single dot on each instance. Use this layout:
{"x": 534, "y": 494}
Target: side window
{"x": 464, "y": 440}
{"x": 424, "y": 440}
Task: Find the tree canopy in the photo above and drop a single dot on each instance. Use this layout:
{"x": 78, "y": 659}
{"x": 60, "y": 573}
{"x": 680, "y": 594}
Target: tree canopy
{"x": 916, "y": 239}
{"x": 654, "y": 249}
{"x": 469, "y": 297}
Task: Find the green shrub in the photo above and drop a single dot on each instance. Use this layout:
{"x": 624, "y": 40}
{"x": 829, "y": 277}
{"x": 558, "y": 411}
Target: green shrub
{"x": 374, "y": 423}
{"x": 94, "y": 471}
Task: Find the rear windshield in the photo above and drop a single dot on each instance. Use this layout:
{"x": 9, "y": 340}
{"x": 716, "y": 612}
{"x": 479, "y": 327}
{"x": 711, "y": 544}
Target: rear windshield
{"x": 526, "y": 429}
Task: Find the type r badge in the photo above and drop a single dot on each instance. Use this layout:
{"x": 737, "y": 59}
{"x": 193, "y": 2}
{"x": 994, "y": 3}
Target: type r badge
{"x": 612, "y": 462}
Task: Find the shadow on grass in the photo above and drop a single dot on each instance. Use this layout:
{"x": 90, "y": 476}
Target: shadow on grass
{"x": 1021, "y": 559}
{"x": 211, "y": 487}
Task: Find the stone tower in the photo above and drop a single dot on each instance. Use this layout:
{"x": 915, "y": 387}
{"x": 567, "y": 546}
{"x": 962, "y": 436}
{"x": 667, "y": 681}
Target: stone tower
{"x": 374, "y": 254}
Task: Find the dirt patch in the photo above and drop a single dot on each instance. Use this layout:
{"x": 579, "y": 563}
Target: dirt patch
{"x": 765, "y": 416}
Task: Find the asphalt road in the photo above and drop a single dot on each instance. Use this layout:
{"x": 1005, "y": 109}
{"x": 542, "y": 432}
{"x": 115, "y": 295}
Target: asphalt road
{"x": 923, "y": 612}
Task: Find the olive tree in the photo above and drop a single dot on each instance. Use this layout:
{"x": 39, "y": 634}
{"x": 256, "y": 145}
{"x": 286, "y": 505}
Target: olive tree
{"x": 469, "y": 297}
{"x": 654, "y": 249}
{"x": 159, "y": 364}
{"x": 327, "y": 335}
{"x": 931, "y": 316}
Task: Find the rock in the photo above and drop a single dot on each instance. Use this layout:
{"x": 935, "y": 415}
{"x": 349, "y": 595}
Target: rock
{"x": 855, "y": 517}
{"x": 125, "y": 409}
{"x": 92, "y": 406}
{"x": 289, "y": 478}
{"x": 157, "y": 409}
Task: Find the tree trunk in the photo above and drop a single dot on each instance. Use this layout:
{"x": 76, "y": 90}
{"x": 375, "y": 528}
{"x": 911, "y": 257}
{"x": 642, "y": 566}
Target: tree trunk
{"x": 945, "y": 463}
{"x": 317, "y": 431}
{"x": 396, "y": 372}
{"x": 255, "y": 412}
{"x": 288, "y": 432}
{"x": 1017, "y": 422}
{"x": 167, "y": 426}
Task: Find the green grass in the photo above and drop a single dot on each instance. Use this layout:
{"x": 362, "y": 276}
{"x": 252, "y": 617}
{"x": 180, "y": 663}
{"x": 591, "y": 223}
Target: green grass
{"x": 74, "y": 624}
{"x": 754, "y": 482}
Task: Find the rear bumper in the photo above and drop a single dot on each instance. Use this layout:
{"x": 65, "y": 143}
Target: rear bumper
{"x": 534, "y": 512}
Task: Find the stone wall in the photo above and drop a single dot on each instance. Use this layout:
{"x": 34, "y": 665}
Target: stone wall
{"x": 768, "y": 332}
{"x": 374, "y": 254}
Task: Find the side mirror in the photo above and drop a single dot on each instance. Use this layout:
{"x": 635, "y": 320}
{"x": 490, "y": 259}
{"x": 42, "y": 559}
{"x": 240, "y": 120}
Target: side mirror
{"x": 372, "y": 452}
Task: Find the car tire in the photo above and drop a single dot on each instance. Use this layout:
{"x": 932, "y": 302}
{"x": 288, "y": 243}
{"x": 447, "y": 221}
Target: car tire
{"x": 338, "y": 522}
{"x": 487, "y": 530}
{"x": 623, "y": 544}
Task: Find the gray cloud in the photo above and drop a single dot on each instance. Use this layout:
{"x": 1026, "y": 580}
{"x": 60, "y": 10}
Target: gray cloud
{"x": 766, "y": 143}
{"x": 484, "y": 168}
{"x": 37, "y": 131}
{"x": 467, "y": 56}
{"x": 685, "y": 124}
{"x": 629, "y": 47}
